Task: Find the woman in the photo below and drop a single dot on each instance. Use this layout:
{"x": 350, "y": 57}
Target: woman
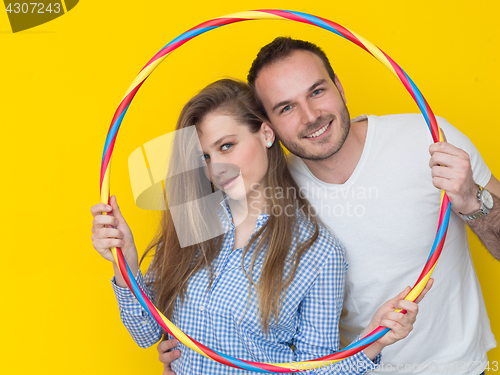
{"x": 268, "y": 289}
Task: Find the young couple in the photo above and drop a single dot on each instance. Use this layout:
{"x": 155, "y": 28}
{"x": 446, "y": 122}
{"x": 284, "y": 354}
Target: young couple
{"x": 274, "y": 287}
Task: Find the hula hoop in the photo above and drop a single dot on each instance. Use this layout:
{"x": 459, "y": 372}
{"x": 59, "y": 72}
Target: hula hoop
{"x": 270, "y": 14}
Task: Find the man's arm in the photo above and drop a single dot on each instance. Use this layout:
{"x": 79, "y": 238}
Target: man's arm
{"x": 487, "y": 227}
{"x": 452, "y": 172}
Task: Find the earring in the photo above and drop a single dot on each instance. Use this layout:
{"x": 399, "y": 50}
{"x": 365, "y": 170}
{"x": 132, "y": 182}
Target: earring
{"x": 269, "y": 144}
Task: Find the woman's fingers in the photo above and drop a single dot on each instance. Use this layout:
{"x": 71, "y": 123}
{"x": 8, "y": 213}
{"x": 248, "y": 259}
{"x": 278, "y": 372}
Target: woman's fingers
{"x": 106, "y": 244}
{"x": 410, "y": 307}
{"x": 115, "y": 208}
{"x": 109, "y": 232}
{"x": 99, "y": 208}
{"x": 100, "y": 221}
{"x": 399, "y": 297}
{"x": 400, "y": 324}
{"x": 427, "y": 287}
{"x": 404, "y": 319}
{"x": 105, "y": 236}
{"x": 103, "y": 247}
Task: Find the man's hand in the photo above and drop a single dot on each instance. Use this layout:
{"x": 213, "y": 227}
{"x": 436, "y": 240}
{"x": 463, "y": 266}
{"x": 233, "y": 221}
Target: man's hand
{"x": 452, "y": 172}
{"x": 167, "y": 355}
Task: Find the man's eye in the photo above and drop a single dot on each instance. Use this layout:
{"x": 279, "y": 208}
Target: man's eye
{"x": 286, "y": 109}
{"x": 226, "y": 146}
{"x": 317, "y": 91}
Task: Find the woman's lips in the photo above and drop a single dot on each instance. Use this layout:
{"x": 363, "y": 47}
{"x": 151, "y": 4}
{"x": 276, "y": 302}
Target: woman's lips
{"x": 228, "y": 183}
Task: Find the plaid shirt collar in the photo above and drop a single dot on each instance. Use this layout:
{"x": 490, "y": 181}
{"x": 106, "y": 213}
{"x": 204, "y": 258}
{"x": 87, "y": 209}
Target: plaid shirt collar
{"x": 226, "y": 218}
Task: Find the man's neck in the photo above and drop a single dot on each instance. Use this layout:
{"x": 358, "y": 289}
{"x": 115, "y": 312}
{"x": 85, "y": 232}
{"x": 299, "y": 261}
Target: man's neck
{"x": 339, "y": 167}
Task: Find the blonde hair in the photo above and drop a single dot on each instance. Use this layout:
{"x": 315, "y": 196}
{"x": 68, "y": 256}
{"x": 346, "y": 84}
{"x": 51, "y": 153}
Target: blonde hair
{"x": 173, "y": 267}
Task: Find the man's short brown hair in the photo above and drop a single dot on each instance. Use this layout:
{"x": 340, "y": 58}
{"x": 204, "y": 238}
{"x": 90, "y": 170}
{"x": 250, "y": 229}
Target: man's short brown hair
{"x": 280, "y": 48}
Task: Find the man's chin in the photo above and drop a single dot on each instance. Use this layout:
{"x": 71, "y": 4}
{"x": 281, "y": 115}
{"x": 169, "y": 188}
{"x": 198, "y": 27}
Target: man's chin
{"x": 321, "y": 149}
{"x": 316, "y": 153}
{"x": 317, "y": 156}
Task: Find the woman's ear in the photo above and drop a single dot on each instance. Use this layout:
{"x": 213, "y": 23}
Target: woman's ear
{"x": 268, "y": 134}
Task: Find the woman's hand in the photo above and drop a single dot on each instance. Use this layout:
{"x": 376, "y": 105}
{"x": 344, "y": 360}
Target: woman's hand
{"x": 400, "y": 324}
{"x": 111, "y": 230}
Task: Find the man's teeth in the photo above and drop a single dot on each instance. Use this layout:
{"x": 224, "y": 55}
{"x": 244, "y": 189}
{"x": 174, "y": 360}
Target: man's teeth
{"x": 319, "y": 132}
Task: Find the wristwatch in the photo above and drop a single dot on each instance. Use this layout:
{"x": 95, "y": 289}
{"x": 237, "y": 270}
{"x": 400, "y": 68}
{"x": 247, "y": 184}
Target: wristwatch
{"x": 484, "y": 197}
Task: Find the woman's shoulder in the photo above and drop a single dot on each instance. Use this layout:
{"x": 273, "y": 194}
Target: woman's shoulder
{"x": 326, "y": 245}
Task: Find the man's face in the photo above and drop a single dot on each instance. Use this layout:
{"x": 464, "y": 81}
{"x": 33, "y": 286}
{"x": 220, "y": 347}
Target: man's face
{"x": 305, "y": 108}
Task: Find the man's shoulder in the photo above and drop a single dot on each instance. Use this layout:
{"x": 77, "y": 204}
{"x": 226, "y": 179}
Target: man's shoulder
{"x": 410, "y": 119}
{"x": 295, "y": 164}
{"x": 398, "y": 119}
{"x": 407, "y": 126}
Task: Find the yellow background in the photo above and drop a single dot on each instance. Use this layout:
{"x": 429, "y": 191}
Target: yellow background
{"x": 62, "y": 81}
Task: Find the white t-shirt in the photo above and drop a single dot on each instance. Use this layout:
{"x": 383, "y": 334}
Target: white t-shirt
{"x": 386, "y": 215}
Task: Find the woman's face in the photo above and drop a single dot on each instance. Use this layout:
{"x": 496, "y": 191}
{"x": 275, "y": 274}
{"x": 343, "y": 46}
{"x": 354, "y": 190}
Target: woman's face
{"x": 236, "y": 158}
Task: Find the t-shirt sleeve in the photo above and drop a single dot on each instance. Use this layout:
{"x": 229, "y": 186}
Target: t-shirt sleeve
{"x": 480, "y": 171}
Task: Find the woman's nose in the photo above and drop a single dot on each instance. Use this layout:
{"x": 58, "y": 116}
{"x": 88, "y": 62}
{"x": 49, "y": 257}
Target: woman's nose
{"x": 218, "y": 169}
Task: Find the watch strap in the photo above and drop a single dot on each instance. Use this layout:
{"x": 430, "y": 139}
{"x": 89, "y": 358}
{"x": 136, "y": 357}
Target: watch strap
{"x": 483, "y": 211}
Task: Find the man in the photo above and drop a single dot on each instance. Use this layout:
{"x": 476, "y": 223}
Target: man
{"x": 369, "y": 180}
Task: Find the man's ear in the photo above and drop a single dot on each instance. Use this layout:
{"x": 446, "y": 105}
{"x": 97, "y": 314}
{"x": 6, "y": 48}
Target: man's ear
{"x": 267, "y": 133}
{"x": 340, "y": 88}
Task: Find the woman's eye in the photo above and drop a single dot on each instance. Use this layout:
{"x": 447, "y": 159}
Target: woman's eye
{"x": 226, "y": 146}
{"x": 204, "y": 157}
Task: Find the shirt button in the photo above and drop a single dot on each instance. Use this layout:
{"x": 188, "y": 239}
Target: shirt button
{"x": 202, "y": 307}
{"x": 217, "y": 273}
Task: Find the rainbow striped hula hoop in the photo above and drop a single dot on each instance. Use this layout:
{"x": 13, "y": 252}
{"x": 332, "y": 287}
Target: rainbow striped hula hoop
{"x": 270, "y": 14}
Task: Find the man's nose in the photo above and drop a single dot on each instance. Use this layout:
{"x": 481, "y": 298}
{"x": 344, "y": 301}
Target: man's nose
{"x": 309, "y": 113}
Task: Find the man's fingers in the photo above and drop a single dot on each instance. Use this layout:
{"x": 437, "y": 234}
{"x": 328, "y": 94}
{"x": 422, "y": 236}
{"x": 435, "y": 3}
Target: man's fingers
{"x": 445, "y": 172}
{"x": 447, "y": 160}
{"x": 168, "y": 357}
{"x": 448, "y": 149}
{"x": 166, "y": 345}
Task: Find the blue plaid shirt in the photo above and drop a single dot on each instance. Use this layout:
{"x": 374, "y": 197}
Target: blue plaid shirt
{"x": 220, "y": 318}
